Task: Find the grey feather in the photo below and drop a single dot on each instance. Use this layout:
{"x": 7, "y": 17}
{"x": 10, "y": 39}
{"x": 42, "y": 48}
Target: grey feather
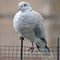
{"x": 39, "y": 32}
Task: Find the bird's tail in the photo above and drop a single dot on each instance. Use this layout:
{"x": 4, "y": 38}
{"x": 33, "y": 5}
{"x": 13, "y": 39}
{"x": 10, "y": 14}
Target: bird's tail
{"x": 44, "y": 50}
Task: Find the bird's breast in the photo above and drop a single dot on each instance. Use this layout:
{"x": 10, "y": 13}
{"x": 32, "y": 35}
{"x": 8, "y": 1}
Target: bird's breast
{"x": 28, "y": 32}
{"x": 26, "y": 28}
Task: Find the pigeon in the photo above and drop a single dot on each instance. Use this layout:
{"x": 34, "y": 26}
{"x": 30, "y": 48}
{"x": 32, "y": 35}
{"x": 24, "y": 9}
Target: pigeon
{"x": 31, "y": 25}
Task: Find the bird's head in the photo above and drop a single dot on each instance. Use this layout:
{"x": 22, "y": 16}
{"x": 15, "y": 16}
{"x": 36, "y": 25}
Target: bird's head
{"x": 23, "y": 6}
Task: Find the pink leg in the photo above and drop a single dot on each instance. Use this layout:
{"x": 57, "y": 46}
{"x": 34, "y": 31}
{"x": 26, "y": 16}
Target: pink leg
{"x": 31, "y": 48}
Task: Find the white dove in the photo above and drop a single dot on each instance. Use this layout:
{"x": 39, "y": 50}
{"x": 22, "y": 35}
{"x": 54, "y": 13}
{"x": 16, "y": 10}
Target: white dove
{"x": 30, "y": 24}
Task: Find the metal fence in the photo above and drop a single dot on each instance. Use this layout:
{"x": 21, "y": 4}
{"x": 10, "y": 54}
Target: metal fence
{"x": 14, "y": 53}
{"x": 22, "y": 53}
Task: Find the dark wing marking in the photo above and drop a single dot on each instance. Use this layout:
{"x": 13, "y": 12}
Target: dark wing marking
{"x": 38, "y": 33}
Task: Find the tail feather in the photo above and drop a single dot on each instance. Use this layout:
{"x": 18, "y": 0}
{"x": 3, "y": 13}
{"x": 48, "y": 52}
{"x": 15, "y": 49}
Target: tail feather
{"x": 44, "y": 50}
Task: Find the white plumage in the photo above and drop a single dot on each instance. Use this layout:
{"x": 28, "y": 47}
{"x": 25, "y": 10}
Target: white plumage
{"x": 30, "y": 24}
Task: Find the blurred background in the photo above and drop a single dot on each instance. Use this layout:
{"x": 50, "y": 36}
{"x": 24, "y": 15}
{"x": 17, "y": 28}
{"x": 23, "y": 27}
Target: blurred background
{"x": 49, "y": 9}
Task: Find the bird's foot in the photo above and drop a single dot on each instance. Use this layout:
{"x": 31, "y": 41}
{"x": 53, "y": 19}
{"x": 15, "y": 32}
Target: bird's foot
{"x": 31, "y": 49}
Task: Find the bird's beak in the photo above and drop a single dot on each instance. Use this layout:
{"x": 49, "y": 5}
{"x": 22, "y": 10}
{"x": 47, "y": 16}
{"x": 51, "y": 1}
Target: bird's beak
{"x": 19, "y": 8}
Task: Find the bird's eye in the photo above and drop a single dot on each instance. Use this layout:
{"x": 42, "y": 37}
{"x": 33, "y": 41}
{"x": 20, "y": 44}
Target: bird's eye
{"x": 24, "y": 4}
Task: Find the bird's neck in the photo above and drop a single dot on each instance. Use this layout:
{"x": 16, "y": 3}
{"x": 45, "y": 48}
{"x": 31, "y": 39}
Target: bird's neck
{"x": 24, "y": 10}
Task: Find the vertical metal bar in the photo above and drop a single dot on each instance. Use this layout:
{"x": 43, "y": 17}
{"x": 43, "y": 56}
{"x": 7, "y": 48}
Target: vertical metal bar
{"x": 58, "y": 49}
{"x": 21, "y": 38}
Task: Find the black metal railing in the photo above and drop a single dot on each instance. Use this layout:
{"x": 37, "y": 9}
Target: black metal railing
{"x": 14, "y": 53}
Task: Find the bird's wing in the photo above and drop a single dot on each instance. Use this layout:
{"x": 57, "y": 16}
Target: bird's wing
{"x": 40, "y": 34}
{"x": 40, "y": 30}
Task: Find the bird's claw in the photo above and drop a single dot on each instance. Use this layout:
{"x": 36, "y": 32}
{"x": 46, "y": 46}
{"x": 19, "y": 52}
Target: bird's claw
{"x": 31, "y": 49}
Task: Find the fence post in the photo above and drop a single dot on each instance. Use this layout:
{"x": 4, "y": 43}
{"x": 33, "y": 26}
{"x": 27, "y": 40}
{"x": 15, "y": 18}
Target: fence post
{"x": 21, "y": 38}
{"x": 58, "y": 48}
